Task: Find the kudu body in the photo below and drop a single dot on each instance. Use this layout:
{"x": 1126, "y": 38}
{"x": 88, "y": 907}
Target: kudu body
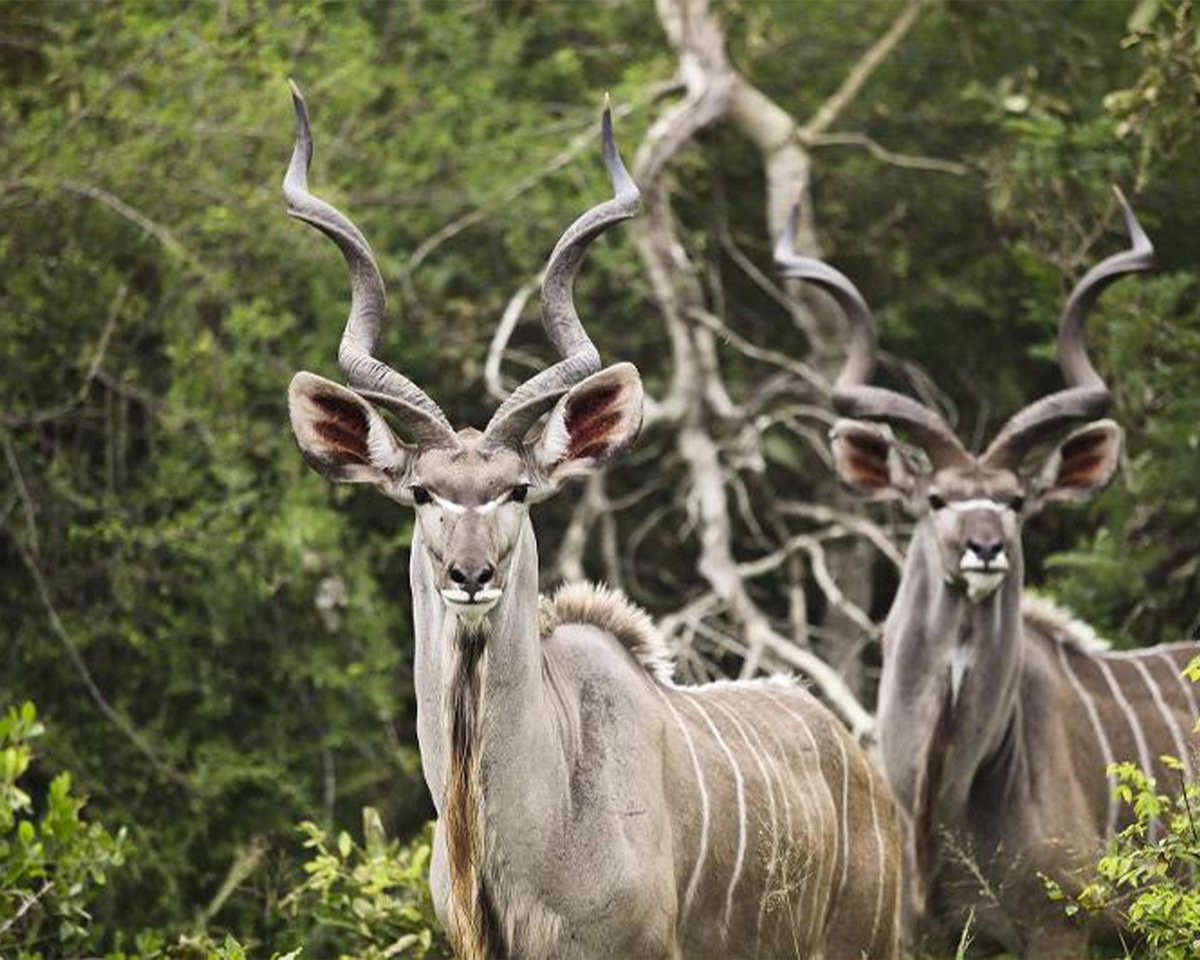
{"x": 586, "y": 805}
{"x": 997, "y": 718}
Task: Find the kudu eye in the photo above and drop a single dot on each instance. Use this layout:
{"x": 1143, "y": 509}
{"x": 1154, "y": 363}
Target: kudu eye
{"x": 421, "y": 495}
{"x": 519, "y": 493}
{"x": 936, "y": 501}
{"x": 1017, "y": 503}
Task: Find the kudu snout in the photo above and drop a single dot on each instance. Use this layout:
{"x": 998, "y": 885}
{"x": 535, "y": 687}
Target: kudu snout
{"x": 983, "y": 542}
{"x": 985, "y": 550}
{"x": 471, "y": 576}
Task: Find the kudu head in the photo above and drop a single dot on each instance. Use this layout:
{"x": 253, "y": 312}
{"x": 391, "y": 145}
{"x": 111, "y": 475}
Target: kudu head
{"x": 974, "y": 505}
{"x": 471, "y": 489}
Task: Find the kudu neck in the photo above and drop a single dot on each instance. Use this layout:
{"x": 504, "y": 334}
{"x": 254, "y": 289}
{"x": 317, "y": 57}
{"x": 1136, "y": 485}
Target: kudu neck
{"x": 951, "y": 676}
{"x": 503, "y": 651}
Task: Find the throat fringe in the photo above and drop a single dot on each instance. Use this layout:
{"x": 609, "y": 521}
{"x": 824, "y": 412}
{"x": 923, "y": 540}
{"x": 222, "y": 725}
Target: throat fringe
{"x": 474, "y": 923}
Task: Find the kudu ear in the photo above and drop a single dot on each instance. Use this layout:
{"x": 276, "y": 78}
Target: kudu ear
{"x": 1082, "y": 465}
{"x": 869, "y": 460}
{"x": 341, "y": 435}
{"x": 591, "y": 425}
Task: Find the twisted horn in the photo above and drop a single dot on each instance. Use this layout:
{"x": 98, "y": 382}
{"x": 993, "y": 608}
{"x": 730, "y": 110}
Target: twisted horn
{"x": 521, "y": 409}
{"x": 1086, "y": 394}
{"x": 371, "y": 378}
{"x": 852, "y": 396}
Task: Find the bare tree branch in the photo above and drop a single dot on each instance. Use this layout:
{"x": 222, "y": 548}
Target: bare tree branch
{"x": 863, "y": 70}
{"x": 907, "y": 160}
{"x": 62, "y": 409}
{"x": 504, "y": 331}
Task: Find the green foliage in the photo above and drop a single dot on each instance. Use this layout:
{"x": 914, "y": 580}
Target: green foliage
{"x": 370, "y": 899}
{"x": 1145, "y": 882}
{"x": 1148, "y": 883}
{"x": 51, "y": 859}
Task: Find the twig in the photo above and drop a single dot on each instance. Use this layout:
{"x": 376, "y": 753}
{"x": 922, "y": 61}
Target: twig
{"x": 135, "y": 216}
{"x": 860, "y": 525}
{"x": 14, "y": 468}
{"x": 863, "y": 70}
{"x": 504, "y": 331}
{"x": 52, "y": 413}
{"x": 60, "y": 631}
{"x": 877, "y": 150}
{"x": 569, "y": 563}
{"x": 773, "y": 357}
{"x": 467, "y": 220}
{"x": 27, "y": 904}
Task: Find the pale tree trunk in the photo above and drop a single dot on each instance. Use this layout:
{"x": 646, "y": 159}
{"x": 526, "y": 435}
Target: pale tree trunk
{"x": 759, "y": 555}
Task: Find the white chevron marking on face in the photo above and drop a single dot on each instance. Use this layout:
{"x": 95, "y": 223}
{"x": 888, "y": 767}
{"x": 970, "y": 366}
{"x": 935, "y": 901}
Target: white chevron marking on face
{"x": 978, "y": 503}
{"x": 457, "y": 508}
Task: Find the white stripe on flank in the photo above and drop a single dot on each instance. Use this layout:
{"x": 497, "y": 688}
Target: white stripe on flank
{"x": 1105, "y": 747}
{"x": 818, "y": 888}
{"x": 1135, "y": 725}
{"x": 739, "y": 783}
{"x": 783, "y": 862}
{"x": 1167, "y": 715}
{"x": 762, "y": 769}
{"x": 879, "y": 845}
{"x": 845, "y": 816}
{"x": 702, "y": 853}
{"x": 1184, "y": 682}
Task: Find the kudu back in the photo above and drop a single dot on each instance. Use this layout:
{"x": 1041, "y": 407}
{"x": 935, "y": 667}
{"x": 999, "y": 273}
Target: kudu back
{"x": 587, "y": 806}
{"x": 998, "y": 715}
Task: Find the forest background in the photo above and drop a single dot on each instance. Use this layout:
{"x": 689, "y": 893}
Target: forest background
{"x": 219, "y": 643}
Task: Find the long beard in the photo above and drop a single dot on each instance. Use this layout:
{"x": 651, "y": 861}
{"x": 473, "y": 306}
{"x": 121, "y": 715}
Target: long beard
{"x": 474, "y": 924}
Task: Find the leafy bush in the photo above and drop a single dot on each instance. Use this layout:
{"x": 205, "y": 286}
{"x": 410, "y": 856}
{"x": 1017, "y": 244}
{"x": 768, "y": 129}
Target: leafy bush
{"x": 371, "y": 900}
{"x": 1147, "y": 884}
{"x": 51, "y": 860}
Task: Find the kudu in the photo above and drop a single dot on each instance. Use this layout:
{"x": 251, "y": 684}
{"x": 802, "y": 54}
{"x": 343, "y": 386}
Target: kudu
{"x": 997, "y": 718}
{"x": 586, "y": 805}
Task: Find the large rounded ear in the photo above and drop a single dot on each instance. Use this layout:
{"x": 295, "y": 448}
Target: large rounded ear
{"x": 341, "y": 435}
{"x": 591, "y": 425}
{"x": 869, "y": 460}
{"x": 1081, "y": 465}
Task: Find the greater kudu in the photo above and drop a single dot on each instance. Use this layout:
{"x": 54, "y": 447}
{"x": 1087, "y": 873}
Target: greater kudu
{"x": 587, "y": 806}
{"x": 997, "y": 718}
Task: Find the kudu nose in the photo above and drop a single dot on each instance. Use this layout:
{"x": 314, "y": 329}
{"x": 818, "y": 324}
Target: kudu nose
{"x": 986, "y": 550}
{"x": 472, "y": 577}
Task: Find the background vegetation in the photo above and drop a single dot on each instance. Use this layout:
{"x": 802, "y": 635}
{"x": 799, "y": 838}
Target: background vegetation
{"x": 219, "y": 643}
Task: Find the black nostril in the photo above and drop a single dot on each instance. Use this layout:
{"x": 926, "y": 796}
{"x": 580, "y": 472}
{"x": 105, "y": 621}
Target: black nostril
{"x": 985, "y": 551}
{"x": 457, "y": 574}
{"x": 485, "y": 575}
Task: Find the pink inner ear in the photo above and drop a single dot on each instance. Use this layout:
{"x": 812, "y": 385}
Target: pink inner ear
{"x": 592, "y": 423}
{"x": 1080, "y": 459}
{"x": 344, "y": 427}
{"x": 867, "y": 471}
{"x": 864, "y": 461}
